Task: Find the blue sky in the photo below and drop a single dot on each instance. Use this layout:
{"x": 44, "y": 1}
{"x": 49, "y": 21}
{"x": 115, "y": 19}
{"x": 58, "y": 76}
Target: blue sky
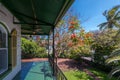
{"x": 90, "y": 11}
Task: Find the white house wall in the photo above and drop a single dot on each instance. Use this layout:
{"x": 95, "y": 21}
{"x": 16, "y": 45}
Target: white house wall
{"x": 7, "y": 18}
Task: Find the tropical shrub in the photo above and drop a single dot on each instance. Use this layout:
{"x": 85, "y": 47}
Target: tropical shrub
{"x": 114, "y": 58}
{"x": 30, "y": 49}
{"x": 103, "y": 45}
{"x": 41, "y": 53}
{"x": 105, "y": 42}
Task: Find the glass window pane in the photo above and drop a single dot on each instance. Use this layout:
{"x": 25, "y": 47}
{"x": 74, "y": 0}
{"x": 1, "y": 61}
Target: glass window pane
{"x": 3, "y": 50}
{"x": 2, "y": 38}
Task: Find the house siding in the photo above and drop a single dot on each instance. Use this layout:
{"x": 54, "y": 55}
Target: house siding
{"x": 7, "y": 19}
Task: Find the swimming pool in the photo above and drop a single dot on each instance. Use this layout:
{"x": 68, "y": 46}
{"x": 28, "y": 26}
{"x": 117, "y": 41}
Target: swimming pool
{"x": 35, "y": 71}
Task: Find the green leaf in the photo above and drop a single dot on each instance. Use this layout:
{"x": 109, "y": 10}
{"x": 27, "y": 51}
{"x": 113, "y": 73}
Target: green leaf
{"x": 113, "y": 59}
{"x": 103, "y": 25}
{"x": 115, "y": 70}
{"x": 112, "y": 12}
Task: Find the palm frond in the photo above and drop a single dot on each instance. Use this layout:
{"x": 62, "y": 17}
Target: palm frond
{"x": 117, "y": 18}
{"x": 115, "y": 56}
{"x": 115, "y": 70}
{"x": 116, "y": 24}
{"x": 113, "y": 59}
{"x": 118, "y": 34}
{"x": 117, "y": 15}
{"x": 102, "y": 26}
{"x": 110, "y": 25}
{"x": 112, "y": 12}
{"x": 105, "y": 13}
{"x": 115, "y": 52}
{"x": 118, "y": 78}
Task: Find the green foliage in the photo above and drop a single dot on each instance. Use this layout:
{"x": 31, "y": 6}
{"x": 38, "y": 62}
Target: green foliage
{"x": 83, "y": 43}
{"x": 77, "y": 75}
{"x": 114, "y": 58}
{"x": 80, "y": 75}
{"x": 100, "y": 74}
{"x": 71, "y": 39}
{"x": 104, "y": 44}
{"x": 73, "y": 55}
{"x": 41, "y": 50}
{"x": 113, "y": 21}
{"x": 74, "y": 24}
{"x": 30, "y": 49}
{"x": 41, "y": 53}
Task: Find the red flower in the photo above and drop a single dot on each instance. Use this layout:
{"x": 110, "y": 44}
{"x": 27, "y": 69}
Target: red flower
{"x": 71, "y": 27}
{"x": 70, "y": 44}
{"x": 72, "y": 22}
{"x": 73, "y": 36}
{"x": 88, "y": 35}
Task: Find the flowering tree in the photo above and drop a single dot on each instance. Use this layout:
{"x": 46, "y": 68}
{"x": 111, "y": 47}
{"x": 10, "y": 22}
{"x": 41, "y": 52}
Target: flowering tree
{"x": 70, "y": 37}
{"x": 82, "y": 42}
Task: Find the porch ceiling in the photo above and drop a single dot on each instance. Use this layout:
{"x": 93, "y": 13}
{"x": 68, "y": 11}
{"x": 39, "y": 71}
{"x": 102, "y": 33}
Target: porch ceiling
{"x": 37, "y": 16}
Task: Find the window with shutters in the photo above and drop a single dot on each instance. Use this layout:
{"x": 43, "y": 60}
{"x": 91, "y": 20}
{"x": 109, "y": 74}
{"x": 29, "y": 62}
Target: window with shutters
{"x": 3, "y": 49}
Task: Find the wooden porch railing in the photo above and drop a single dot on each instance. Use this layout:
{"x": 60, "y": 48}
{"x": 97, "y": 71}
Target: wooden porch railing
{"x": 58, "y": 73}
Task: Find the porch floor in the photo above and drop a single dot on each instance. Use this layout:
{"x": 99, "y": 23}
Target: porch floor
{"x": 35, "y": 71}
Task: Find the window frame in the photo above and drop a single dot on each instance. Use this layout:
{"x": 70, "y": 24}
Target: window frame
{"x": 4, "y": 56}
{"x": 14, "y": 46}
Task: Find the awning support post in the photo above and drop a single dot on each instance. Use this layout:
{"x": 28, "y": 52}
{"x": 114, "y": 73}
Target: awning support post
{"x": 53, "y": 51}
{"x": 48, "y": 48}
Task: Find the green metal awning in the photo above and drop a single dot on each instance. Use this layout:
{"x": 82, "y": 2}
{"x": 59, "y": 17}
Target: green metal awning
{"x": 37, "y": 16}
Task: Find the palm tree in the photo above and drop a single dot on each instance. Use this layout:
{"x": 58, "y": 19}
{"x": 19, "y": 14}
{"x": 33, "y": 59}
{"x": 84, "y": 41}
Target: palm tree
{"x": 114, "y": 58}
{"x": 113, "y": 21}
{"x": 112, "y": 17}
